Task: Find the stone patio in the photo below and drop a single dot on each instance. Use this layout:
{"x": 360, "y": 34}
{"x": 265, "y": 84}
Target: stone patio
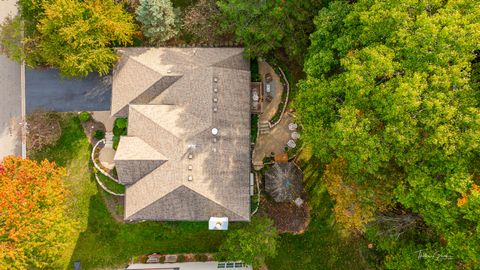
{"x": 271, "y": 140}
{"x": 106, "y": 157}
{"x": 270, "y": 108}
{"x": 275, "y": 141}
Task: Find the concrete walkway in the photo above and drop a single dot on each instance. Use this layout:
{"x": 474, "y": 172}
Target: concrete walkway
{"x": 11, "y": 95}
{"x": 105, "y": 118}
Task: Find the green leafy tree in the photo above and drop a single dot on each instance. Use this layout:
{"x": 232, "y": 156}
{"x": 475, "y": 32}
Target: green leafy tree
{"x": 75, "y": 36}
{"x": 265, "y": 26}
{"x": 389, "y": 91}
{"x": 34, "y": 229}
{"x": 202, "y": 22}
{"x": 252, "y": 244}
{"x": 11, "y": 38}
{"x": 158, "y": 19}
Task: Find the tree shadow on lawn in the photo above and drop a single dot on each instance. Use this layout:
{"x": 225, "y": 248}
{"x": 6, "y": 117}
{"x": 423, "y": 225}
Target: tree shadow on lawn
{"x": 321, "y": 246}
{"x": 108, "y": 244}
{"x": 102, "y": 242}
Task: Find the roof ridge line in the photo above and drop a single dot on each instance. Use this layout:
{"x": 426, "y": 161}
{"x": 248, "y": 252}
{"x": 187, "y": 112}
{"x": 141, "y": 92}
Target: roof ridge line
{"x": 154, "y": 201}
{"x": 224, "y": 59}
{"x": 216, "y": 202}
{"x": 153, "y": 148}
{"x": 173, "y": 105}
{"x": 131, "y": 106}
{"x": 192, "y": 190}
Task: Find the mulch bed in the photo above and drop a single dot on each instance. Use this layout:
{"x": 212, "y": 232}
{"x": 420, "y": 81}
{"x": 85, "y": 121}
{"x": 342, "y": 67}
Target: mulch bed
{"x": 43, "y": 130}
{"x": 89, "y": 127}
{"x": 287, "y": 216}
{"x": 181, "y": 257}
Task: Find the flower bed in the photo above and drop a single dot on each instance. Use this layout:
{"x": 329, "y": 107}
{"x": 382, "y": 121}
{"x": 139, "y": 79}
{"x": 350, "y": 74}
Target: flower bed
{"x": 183, "y": 257}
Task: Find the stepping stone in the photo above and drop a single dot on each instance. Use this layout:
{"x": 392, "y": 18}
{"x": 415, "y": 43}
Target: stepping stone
{"x": 171, "y": 258}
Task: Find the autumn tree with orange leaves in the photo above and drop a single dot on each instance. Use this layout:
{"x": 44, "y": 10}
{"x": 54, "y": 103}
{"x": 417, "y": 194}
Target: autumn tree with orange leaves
{"x": 33, "y": 224}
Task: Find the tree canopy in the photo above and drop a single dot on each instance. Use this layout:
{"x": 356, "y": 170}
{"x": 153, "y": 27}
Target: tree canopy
{"x": 158, "y": 20}
{"x": 264, "y": 26}
{"x": 75, "y": 36}
{"x": 252, "y": 244}
{"x": 389, "y": 93}
{"x": 33, "y": 225}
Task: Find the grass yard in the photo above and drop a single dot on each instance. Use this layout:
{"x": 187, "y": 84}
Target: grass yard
{"x": 320, "y": 247}
{"x": 101, "y": 242}
{"x": 110, "y": 184}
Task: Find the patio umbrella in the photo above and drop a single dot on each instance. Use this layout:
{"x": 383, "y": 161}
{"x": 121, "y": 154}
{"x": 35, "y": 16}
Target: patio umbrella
{"x": 295, "y": 135}
{"x": 283, "y": 181}
{"x": 291, "y": 143}
{"x": 292, "y": 126}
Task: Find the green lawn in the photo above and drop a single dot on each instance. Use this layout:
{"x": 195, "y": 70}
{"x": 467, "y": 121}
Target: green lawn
{"x": 110, "y": 184}
{"x": 320, "y": 247}
{"x": 100, "y": 241}
{"x": 103, "y": 243}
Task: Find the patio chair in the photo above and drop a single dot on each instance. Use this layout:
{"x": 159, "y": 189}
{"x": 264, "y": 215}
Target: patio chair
{"x": 268, "y": 77}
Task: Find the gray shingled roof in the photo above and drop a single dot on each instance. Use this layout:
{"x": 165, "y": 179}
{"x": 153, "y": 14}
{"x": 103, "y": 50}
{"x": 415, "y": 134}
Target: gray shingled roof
{"x": 173, "y": 166}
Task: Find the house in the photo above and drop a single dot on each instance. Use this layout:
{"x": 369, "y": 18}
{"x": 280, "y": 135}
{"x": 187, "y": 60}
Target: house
{"x": 187, "y": 152}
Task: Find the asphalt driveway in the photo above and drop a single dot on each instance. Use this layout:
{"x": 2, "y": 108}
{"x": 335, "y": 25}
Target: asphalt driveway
{"x": 47, "y": 90}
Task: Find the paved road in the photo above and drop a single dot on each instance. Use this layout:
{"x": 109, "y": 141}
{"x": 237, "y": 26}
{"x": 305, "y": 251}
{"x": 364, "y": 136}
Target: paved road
{"x": 47, "y": 90}
{"x": 10, "y": 95}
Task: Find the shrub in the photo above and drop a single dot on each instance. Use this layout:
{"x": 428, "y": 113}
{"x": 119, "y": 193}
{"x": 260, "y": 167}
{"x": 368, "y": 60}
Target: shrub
{"x": 121, "y": 123}
{"x": 84, "y": 116}
{"x": 252, "y": 244}
{"x": 158, "y": 20}
{"x": 253, "y": 128}
{"x": 117, "y": 131}
{"x": 10, "y": 38}
{"x": 201, "y": 22}
{"x": 267, "y": 160}
{"x": 116, "y": 140}
{"x": 98, "y": 134}
{"x": 181, "y": 258}
{"x": 254, "y": 70}
{"x": 120, "y": 127}
{"x": 201, "y": 257}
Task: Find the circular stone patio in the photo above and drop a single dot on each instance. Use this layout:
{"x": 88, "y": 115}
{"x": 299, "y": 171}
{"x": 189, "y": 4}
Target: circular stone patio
{"x": 106, "y": 156}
